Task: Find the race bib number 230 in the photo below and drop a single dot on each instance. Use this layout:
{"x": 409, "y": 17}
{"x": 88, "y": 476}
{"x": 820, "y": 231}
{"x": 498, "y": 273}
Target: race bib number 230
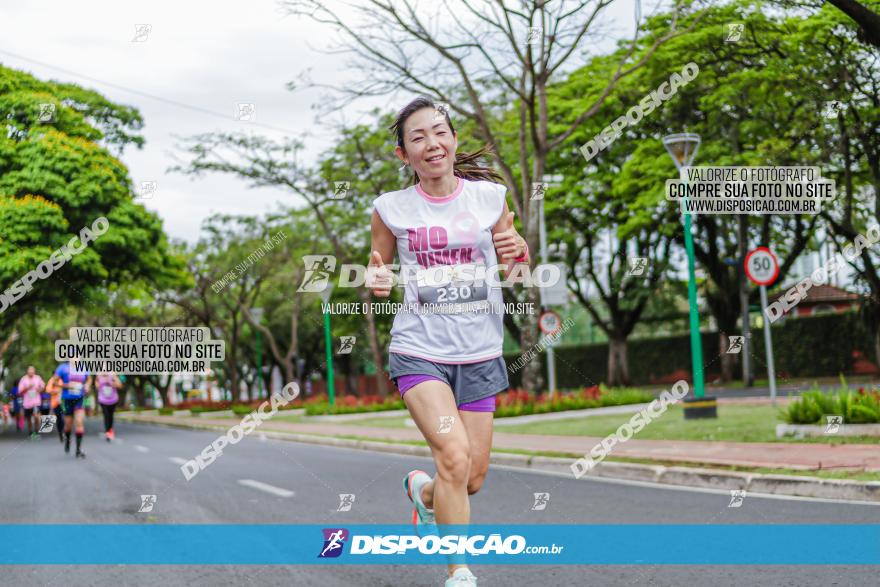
{"x": 447, "y": 284}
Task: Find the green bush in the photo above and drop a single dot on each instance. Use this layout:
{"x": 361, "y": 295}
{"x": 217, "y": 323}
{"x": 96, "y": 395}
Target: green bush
{"x": 324, "y": 408}
{"x": 241, "y": 409}
{"x": 204, "y": 409}
{"x": 166, "y": 411}
{"x": 813, "y": 406}
{"x": 570, "y": 401}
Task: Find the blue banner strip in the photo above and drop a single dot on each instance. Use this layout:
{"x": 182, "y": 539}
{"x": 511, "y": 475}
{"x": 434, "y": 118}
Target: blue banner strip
{"x": 566, "y": 544}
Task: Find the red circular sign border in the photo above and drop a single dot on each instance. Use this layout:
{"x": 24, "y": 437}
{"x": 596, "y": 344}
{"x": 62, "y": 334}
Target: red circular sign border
{"x": 558, "y": 318}
{"x": 775, "y": 266}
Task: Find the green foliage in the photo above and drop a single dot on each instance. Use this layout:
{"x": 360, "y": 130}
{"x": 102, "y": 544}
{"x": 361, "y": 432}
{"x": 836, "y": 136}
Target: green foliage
{"x": 813, "y": 406}
{"x": 572, "y": 401}
{"x": 242, "y": 409}
{"x": 324, "y": 408}
{"x": 58, "y": 176}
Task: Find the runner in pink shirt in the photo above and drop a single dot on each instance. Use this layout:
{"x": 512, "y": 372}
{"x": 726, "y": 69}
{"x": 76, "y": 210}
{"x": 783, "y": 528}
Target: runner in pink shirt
{"x": 30, "y": 388}
{"x": 108, "y": 385}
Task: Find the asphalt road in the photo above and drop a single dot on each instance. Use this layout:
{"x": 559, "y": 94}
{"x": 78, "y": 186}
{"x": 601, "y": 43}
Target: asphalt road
{"x": 266, "y": 481}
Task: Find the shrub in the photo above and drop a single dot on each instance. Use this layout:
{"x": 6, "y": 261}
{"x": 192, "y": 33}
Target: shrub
{"x": 814, "y": 405}
{"x": 519, "y": 403}
{"x": 242, "y": 409}
{"x": 350, "y": 405}
{"x": 197, "y": 408}
{"x": 166, "y": 411}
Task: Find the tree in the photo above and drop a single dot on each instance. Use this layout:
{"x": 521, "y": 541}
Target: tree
{"x": 57, "y": 176}
{"x": 862, "y": 13}
{"x": 358, "y": 161}
{"x": 480, "y": 57}
{"x": 749, "y": 108}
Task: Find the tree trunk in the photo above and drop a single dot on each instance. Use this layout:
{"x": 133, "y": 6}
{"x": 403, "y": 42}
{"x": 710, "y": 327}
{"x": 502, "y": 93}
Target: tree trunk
{"x": 532, "y": 375}
{"x": 13, "y": 336}
{"x": 877, "y": 344}
{"x": 868, "y": 21}
{"x": 375, "y": 349}
{"x": 350, "y": 376}
{"x": 287, "y": 363}
{"x": 618, "y": 365}
{"x": 728, "y": 360}
{"x": 234, "y": 387}
{"x": 163, "y": 393}
{"x": 140, "y": 394}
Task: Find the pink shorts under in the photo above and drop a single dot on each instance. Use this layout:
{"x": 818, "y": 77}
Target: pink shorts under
{"x": 405, "y": 382}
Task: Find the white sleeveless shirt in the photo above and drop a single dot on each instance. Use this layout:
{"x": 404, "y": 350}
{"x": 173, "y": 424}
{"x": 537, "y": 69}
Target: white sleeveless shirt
{"x": 454, "y": 231}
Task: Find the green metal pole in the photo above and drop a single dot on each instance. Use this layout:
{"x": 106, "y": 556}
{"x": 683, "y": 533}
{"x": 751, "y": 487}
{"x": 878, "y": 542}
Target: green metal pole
{"x": 330, "y": 390}
{"x": 696, "y": 343}
{"x": 260, "y": 361}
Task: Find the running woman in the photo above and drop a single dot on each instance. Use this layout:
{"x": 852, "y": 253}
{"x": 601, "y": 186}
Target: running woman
{"x": 45, "y": 404}
{"x": 108, "y": 385}
{"x": 16, "y": 408}
{"x": 6, "y": 417}
{"x": 447, "y": 366}
{"x": 30, "y": 388}
{"x": 54, "y": 390}
{"x": 75, "y": 385}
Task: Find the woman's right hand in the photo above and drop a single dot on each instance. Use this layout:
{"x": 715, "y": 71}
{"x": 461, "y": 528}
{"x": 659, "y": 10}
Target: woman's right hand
{"x": 379, "y": 277}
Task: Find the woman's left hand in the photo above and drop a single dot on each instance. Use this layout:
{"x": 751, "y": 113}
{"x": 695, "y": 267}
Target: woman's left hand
{"x": 509, "y": 244}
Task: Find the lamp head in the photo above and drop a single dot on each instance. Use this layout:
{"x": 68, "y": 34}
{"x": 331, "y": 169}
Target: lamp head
{"x": 682, "y": 147}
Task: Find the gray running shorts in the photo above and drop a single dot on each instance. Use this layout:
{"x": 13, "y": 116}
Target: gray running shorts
{"x": 469, "y": 382}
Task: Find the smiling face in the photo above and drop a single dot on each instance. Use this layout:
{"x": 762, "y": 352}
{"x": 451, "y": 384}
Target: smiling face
{"x": 430, "y": 144}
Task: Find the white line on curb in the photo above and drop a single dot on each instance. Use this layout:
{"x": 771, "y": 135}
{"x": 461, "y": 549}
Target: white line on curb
{"x": 635, "y": 483}
{"x": 177, "y": 460}
{"x": 266, "y": 487}
{"x": 141, "y": 448}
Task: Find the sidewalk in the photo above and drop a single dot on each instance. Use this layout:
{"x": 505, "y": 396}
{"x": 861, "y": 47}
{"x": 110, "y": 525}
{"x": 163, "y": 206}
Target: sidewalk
{"x": 801, "y": 456}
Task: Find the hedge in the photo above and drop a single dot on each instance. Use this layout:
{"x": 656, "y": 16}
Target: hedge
{"x": 811, "y": 346}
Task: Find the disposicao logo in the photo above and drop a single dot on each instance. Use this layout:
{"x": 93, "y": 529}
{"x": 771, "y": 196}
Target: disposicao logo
{"x": 334, "y": 541}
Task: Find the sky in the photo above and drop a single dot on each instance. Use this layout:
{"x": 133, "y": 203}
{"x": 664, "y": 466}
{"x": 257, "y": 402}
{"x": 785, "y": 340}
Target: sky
{"x": 186, "y": 75}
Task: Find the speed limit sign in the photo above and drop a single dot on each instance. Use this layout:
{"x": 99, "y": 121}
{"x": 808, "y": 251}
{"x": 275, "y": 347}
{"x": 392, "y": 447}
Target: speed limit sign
{"x": 550, "y": 322}
{"x": 762, "y": 266}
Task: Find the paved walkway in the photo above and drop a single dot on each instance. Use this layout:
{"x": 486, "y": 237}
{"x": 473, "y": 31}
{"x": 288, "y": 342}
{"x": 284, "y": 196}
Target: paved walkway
{"x": 785, "y": 455}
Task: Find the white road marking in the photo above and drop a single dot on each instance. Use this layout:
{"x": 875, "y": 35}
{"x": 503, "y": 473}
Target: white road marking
{"x": 177, "y": 460}
{"x": 141, "y": 448}
{"x": 266, "y": 487}
{"x": 669, "y": 487}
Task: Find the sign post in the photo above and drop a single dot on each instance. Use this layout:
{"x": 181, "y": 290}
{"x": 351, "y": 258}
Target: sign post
{"x": 762, "y": 268}
{"x": 557, "y": 296}
{"x": 550, "y": 322}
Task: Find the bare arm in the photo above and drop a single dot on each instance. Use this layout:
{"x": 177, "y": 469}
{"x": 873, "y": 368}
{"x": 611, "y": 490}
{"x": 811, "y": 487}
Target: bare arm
{"x": 509, "y": 245}
{"x": 383, "y": 240}
{"x": 382, "y": 245}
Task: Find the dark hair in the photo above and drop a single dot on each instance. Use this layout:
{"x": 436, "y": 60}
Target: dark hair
{"x": 466, "y": 165}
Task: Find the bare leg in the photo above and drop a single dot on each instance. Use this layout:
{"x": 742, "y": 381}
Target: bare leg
{"x": 479, "y": 430}
{"x": 428, "y": 402}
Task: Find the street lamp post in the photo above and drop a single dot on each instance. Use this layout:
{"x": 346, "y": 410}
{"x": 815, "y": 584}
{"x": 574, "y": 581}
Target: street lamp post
{"x": 325, "y": 297}
{"x": 257, "y": 313}
{"x": 683, "y": 147}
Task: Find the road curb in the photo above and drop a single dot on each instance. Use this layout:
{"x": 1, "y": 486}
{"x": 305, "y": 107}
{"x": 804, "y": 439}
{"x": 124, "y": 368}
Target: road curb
{"x": 843, "y": 489}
